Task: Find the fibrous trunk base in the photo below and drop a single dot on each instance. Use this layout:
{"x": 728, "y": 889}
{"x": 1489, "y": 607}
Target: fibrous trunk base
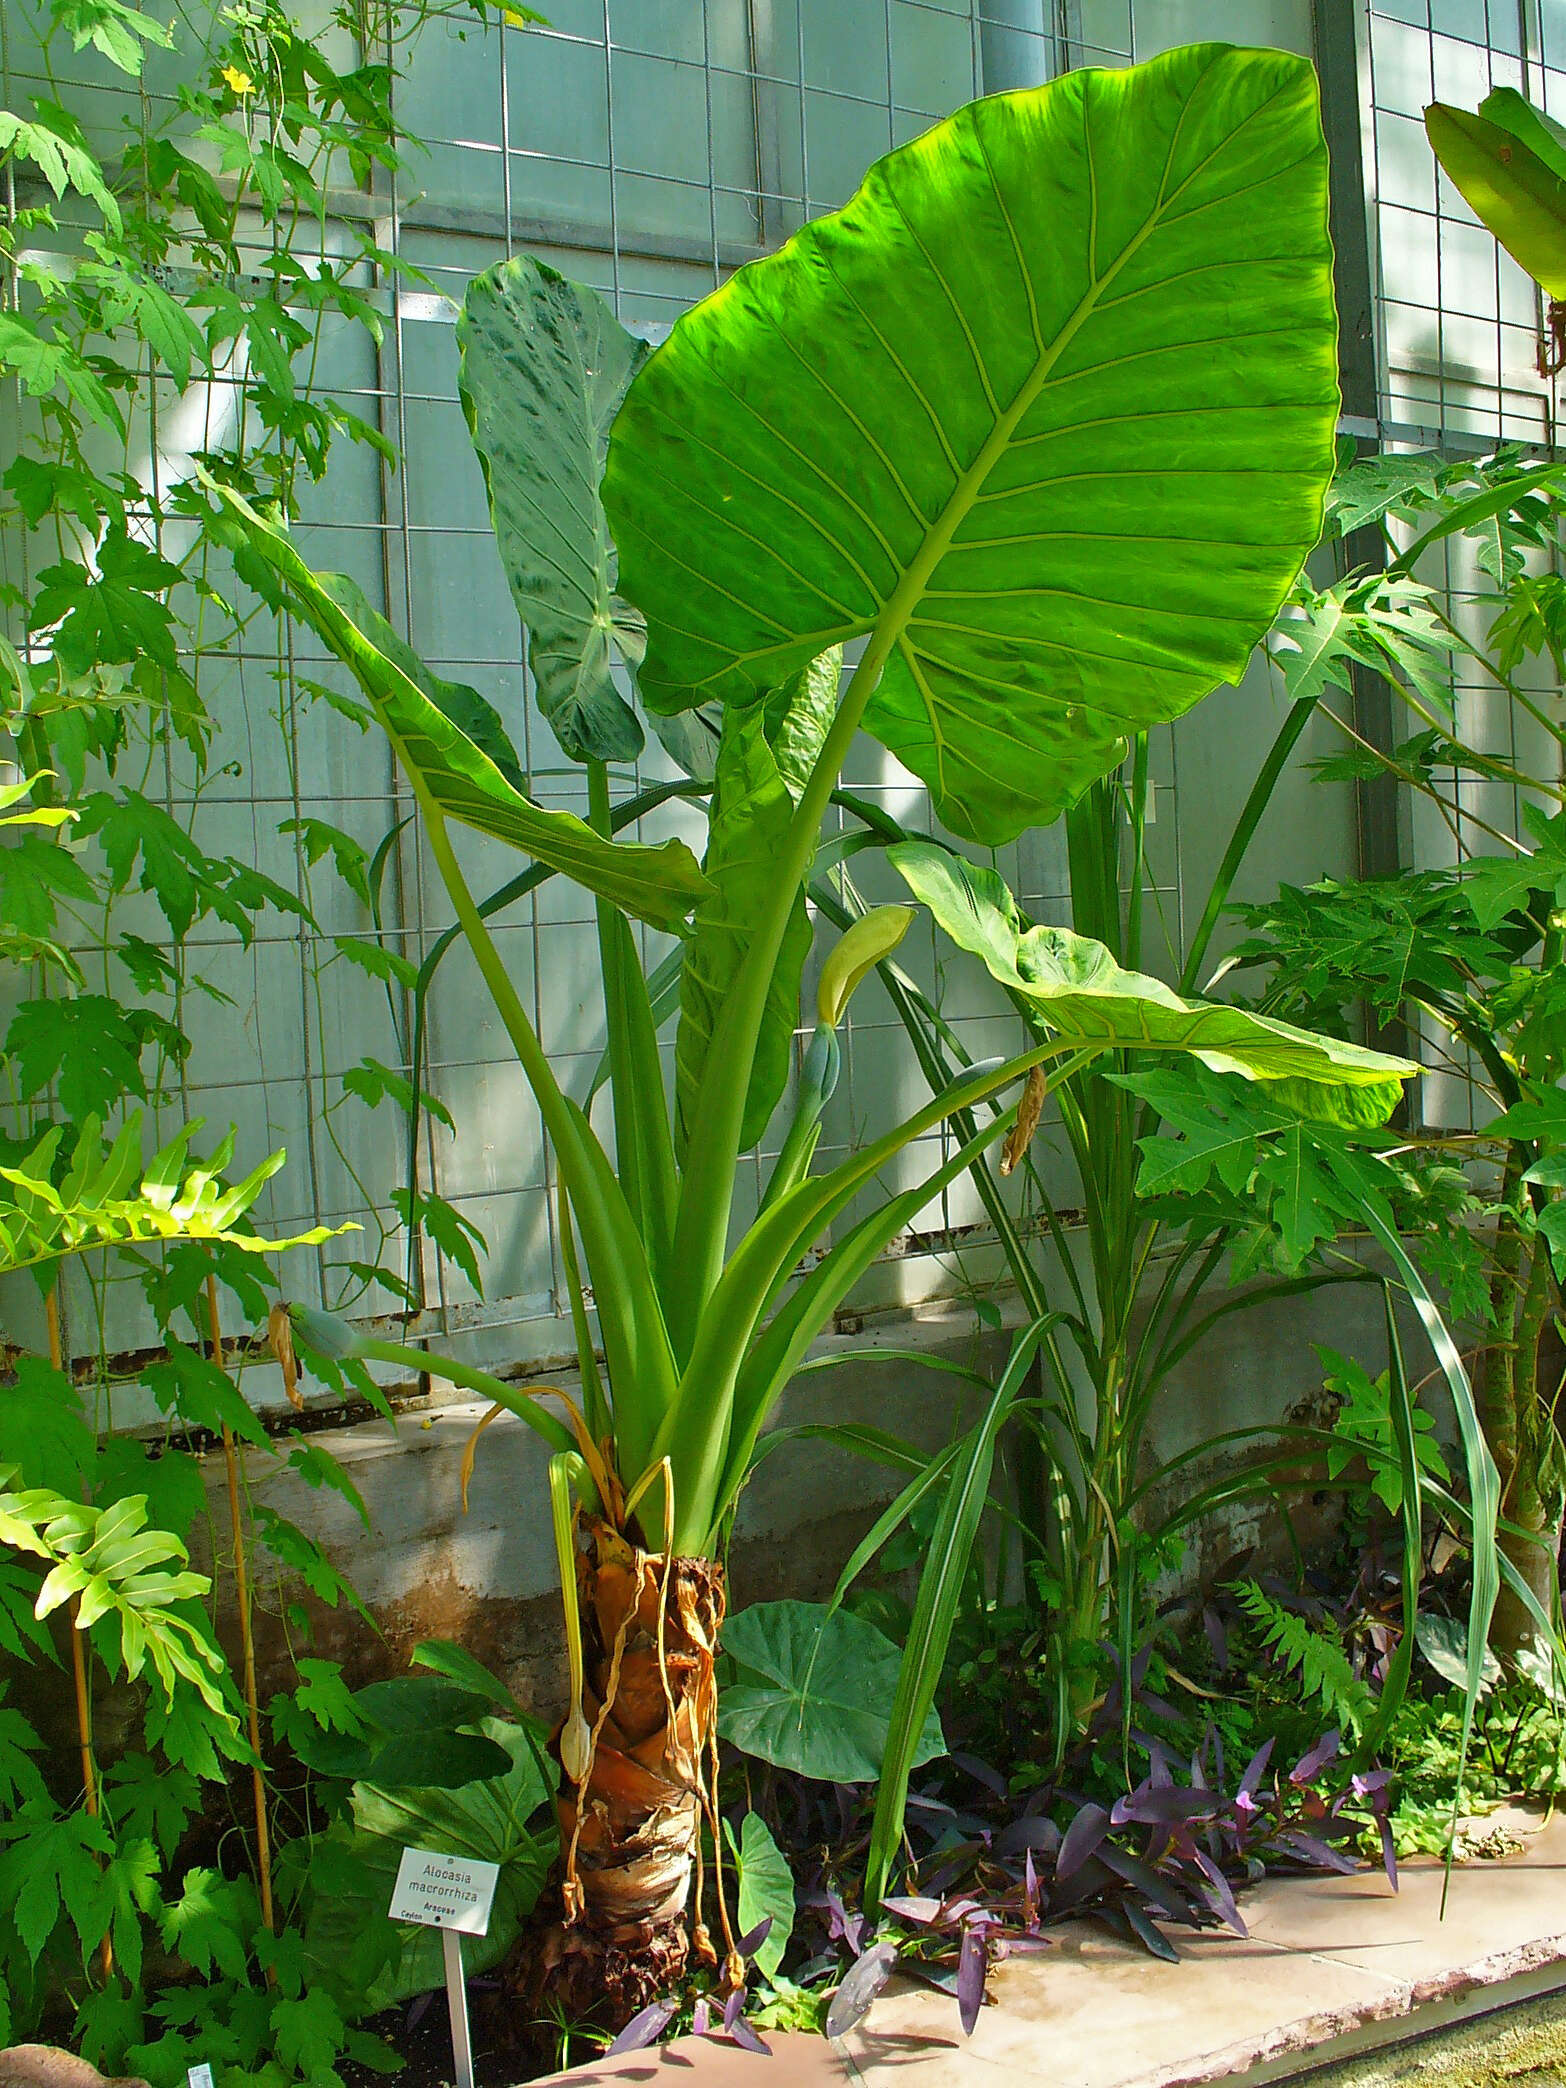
{"x": 591, "y": 1979}
{"x": 630, "y": 1838}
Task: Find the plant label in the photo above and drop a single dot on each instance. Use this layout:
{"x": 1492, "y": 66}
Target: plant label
{"x": 447, "y": 1892}
{"x": 198, "y": 2076}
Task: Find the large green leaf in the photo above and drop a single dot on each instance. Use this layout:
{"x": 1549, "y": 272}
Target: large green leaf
{"x": 506, "y": 1820}
{"x": 764, "y": 757}
{"x": 416, "y": 1729}
{"x": 1074, "y": 986}
{"x": 813, "y": 1690}
{"x": 1543, "y": 136}
{"x": 656, "y": 884}
{"x": 108, "y": 1199}
{"x": 1509, "y": 164}
{"x": 967, "y": 1496}
{"x": 1046, "y": 411}
{"x": 545, "y": 365}
{"x": 463, "y": 706}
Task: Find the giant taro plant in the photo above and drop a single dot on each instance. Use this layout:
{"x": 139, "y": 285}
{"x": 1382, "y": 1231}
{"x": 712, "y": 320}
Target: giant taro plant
{"x": 1041, "y": 422}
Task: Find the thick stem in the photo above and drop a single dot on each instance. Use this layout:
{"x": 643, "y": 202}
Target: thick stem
{"x": 1498, "y": 1382}
{"x": 508, "y": 1002}
{"x": 595, "y": 1405}
{"x": 650, "y": 1626}
{"x": 707, "y": 1194}
{"x": 1532, "y": 1409}
{"x": 627, "y": 1153}
{"x": 1532, "y": 1498}
{"x": 636, "y": 1348}
{"x": 707, "y": 1197}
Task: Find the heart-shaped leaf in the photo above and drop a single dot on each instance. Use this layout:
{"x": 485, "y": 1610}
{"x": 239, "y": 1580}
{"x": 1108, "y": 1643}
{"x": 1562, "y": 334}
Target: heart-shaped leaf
{"x": 813, "y": 1691}
{"x": 1075, "y": 987}
{"x": 766, "y": 1889}
{"x": 545, "y": 365}
{"x": 1045, "y": 413}
{"x": 1444, "y": 1643}
{"x": 505, "y": 1819}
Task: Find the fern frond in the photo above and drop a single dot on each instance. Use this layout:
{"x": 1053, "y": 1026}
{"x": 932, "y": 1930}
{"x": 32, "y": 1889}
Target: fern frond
{"x": 1316, "y": 1660}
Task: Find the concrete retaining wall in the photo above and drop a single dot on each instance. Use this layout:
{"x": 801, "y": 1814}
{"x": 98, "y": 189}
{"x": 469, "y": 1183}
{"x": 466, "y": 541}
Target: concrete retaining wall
{"x": 488, "y": 1577}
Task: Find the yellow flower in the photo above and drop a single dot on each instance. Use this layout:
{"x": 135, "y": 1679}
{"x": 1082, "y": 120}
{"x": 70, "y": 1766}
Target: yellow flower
{"x": 239, "y": 82}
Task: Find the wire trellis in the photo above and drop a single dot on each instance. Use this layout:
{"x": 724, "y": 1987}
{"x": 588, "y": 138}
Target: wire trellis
{"x": 647, "y": 148}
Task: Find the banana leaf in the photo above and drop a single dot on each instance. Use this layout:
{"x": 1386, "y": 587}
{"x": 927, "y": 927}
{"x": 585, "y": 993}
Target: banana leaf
{"x": 1509, "y": 164}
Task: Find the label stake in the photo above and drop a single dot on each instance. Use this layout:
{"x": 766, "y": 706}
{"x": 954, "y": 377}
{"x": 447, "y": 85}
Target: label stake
{"x": 457, "y": 2002}
{"x": 453, "y": 1894}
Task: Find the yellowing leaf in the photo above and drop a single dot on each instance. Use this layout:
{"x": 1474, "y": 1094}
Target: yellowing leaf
{"x": 865, "y": 944}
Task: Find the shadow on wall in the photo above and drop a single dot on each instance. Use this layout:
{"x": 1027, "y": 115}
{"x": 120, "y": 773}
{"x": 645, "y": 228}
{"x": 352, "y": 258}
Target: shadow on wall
{"x": 488, "y": 1578}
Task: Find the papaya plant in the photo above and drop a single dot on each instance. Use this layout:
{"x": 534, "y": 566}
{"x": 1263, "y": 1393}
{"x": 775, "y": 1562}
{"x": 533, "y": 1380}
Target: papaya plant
{"x": 1194, "y": 1196}
{"x": 1468, "y": 952}
{"x": 1041, "y": 422}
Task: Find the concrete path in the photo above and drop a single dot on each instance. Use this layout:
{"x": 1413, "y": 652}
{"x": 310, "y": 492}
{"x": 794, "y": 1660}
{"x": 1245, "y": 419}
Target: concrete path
{"x": 1339, "y": 1959}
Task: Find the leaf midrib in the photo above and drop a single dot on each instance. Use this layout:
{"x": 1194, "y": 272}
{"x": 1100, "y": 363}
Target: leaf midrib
{"x": 898, "y": 611}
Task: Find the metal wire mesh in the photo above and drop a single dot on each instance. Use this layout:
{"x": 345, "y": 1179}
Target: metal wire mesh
{"x": 1461, "y": 328}
{"x": 648, "y": 147}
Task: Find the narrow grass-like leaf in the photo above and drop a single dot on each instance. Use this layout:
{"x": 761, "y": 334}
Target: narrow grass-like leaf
{"x": 1484, "y": 1484}
{"x": 935, "y": 1611}
{"x": 1395, "y": 1685}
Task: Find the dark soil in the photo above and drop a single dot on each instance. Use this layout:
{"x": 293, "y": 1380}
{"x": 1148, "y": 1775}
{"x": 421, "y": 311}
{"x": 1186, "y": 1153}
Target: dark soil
{"x": 421, "y": 2033}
